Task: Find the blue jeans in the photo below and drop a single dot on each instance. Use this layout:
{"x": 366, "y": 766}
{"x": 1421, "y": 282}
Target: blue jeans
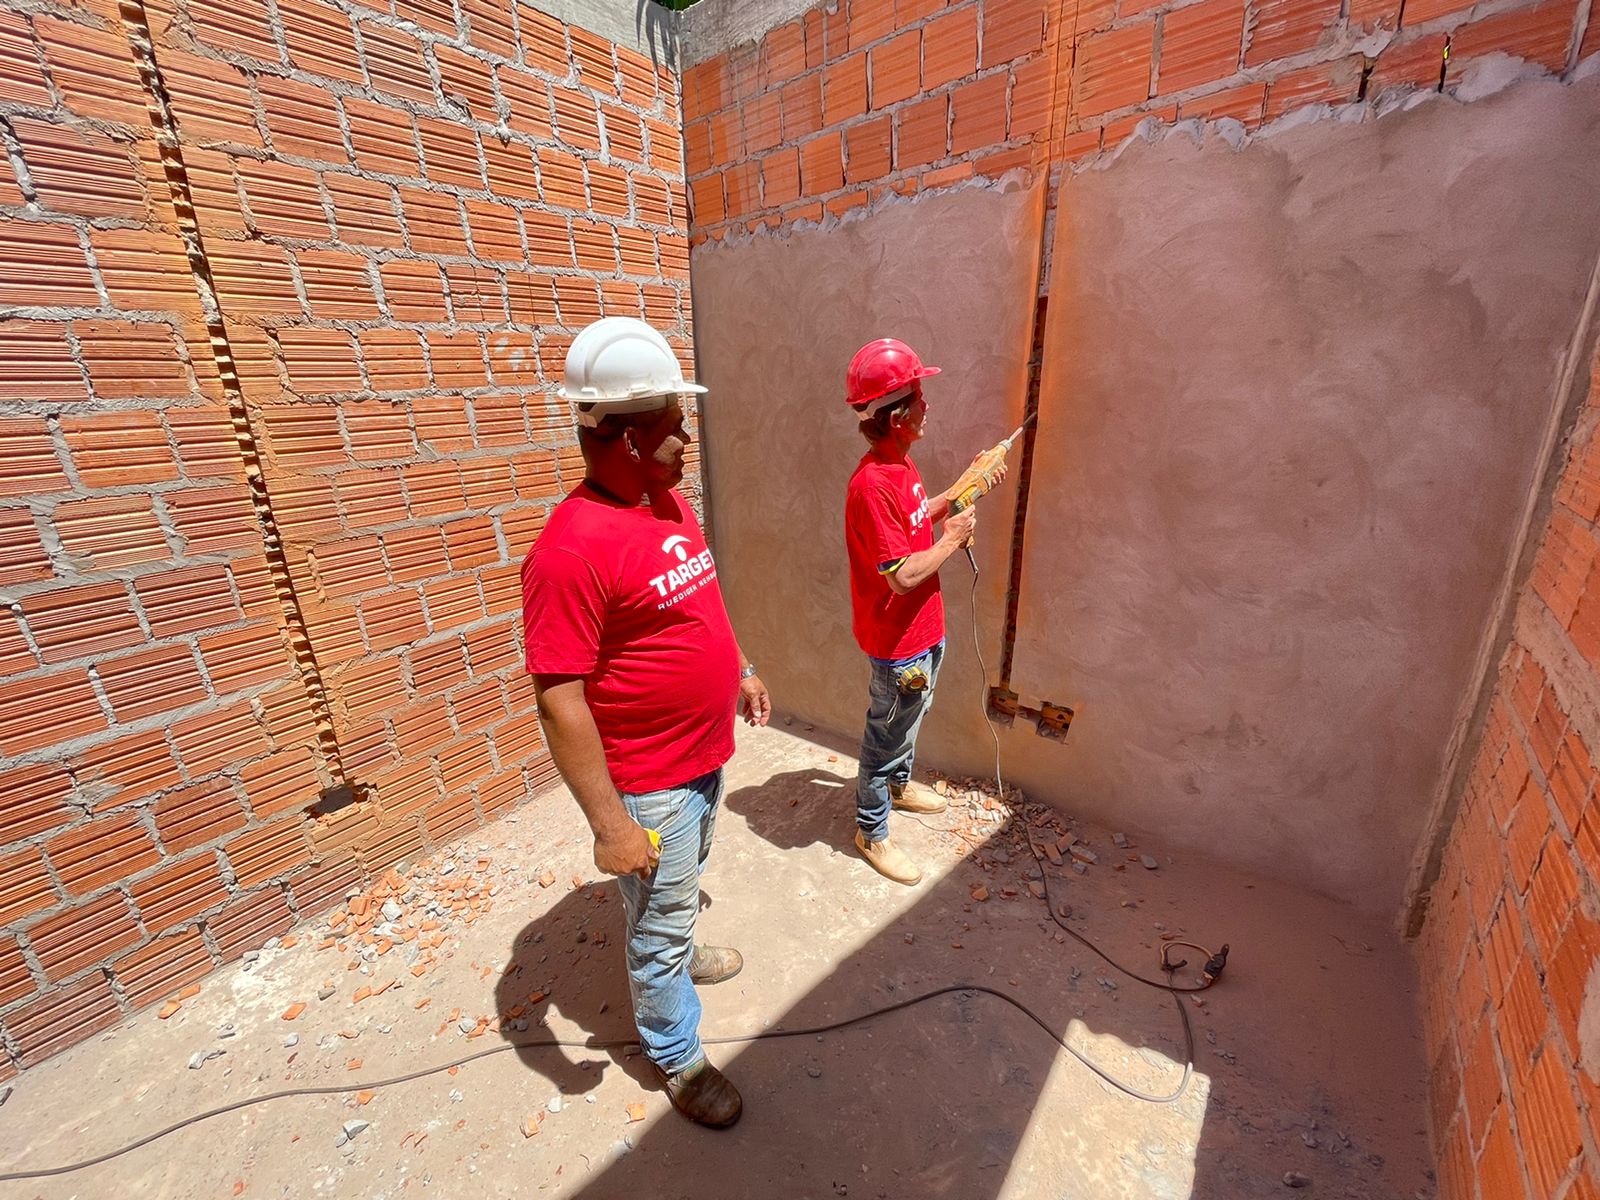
{"x": 889, "y": 746}
{"x": 661, "y": 912}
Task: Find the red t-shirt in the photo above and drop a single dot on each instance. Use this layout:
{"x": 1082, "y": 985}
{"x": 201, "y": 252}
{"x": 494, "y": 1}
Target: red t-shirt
{"x": 885, "y": 520}
{"x": 628, "y": 599}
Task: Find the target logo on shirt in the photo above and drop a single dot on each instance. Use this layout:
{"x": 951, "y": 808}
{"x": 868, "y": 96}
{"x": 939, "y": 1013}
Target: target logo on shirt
{"x": 690, "y": 569}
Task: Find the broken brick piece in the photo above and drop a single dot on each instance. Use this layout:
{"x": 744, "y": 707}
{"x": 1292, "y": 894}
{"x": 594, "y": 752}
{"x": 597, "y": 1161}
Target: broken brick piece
{"x": 636, "y": 1111}
{"x": 190, "y": 992}
{"x": 530, "y": 1126}
{"x": 364, "y": 1098}
{"x": 353, "y": 1065}
{"x": 294, "y": 1010}
{"x": 170, "y": 1007}
{"x": 547, "y": 879}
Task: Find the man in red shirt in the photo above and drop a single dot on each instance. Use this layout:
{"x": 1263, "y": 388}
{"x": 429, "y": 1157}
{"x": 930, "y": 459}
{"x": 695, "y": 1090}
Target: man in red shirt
{"x": 897, "y": 610}
{"x": 638, "y": 676}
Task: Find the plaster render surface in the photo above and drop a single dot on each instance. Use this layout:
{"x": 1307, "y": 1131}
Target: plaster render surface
{"x": 1291, "y": 409}
{"x": 713, "y": 27}
{"x": 777, "y": 319}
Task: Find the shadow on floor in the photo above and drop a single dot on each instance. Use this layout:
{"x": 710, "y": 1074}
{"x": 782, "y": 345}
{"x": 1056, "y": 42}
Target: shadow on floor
{"x": 931, "y": 1102}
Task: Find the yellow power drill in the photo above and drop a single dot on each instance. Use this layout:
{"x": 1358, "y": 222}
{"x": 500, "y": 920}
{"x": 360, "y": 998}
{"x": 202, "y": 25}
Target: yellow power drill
{"x": 977, "y": 479}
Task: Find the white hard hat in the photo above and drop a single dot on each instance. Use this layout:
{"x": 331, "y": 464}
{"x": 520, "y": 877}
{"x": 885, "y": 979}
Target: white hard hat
{"x": 621, "y": 365}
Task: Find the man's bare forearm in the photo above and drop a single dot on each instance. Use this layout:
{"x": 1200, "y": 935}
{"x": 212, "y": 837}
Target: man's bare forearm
{"x": 574, "y": 741}
{"x": 922, "y": 565}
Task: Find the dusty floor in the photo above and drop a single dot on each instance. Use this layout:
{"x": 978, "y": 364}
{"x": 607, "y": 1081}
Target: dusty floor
{"x": 1306, "y": 1053}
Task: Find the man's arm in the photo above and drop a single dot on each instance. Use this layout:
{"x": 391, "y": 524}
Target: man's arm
{"x": 621, "y": 846}
{"x": 918, "y": 567}
{"x": 757, "y": 704}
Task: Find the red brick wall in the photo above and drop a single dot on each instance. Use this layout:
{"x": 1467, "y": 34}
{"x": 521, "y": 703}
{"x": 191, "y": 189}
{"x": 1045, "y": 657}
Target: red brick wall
{"x": 1513, "y": 925}
{"x": 860, "y": 97}
{"x": 404, "y": 216}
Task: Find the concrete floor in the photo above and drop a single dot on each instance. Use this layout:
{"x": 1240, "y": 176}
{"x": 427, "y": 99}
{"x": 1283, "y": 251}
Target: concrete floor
{"x": 1307, "y": 1054}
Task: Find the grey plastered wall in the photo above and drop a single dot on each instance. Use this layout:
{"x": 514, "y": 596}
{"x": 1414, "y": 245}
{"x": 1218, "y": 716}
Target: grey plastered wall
{"x": 1292, "y": 407}
{"x": 777, "y": 317}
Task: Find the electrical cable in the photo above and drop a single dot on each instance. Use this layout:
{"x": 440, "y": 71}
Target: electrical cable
{"x": 1213, "y": 969}
{"x": 983, "y": 671}
{"x": 595, "y": 1044}
{"x": 1214, "y": 963}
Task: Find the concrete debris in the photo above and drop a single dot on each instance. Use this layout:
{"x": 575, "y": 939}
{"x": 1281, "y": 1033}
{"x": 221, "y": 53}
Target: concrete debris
{"x": 466, "y": 1025}
{"x": 553, "y": 1105}
{"x": 1149, "y": 863}
{"x": 1120, "y": 841}
{"x": 589, "y": 1098}
{"x": 1064, "y": 911}
{"x": 1084, "y": 855}
{"x": 227, "y": 1031}
{"x": 392, "y": 911}
{"x": 1037, "y": 889}
{"x": 290, "y": 1042}
{"x": 5, "y": 1094}
{"x": 201, "y": 1057}
{"x": 324, "y": 992}
{"x": 355, "y": 1126}
{"x": 1309, "y": 1138}
{"x": 1080, "y": 868}
{"x": 1293, "y": 1179}
{"x": 814, "y": 1072}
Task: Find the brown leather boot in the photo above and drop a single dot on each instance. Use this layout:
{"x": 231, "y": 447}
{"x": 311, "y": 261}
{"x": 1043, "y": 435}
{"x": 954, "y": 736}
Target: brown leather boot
{"x": 889, "y": 860}
{"x": 915, "y": 798}
{"x": 714, "y": 964}
{"x": 703, "y": 1094}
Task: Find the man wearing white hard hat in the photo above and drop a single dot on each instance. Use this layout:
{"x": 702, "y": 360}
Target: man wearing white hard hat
{"x": 638, "y": 676}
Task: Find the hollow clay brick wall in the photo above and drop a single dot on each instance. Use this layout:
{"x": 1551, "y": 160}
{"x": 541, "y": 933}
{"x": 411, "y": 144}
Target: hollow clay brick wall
{"x": 859, "y": 98}
{"x": 1513, "y": 927}
{"x": 400, "y": 215}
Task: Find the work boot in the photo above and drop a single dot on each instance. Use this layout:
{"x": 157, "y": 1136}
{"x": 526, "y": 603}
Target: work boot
{"x": 889, "y": 860}
{"x": 915, "y": 798}
{"x": 703, "y": 1094}
{"x": 713, "y": 964}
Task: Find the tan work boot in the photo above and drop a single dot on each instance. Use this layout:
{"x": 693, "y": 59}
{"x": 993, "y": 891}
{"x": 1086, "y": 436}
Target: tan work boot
{"x": 713, "y": 964}
{"x": 915, "y": 798}
{"x": 703, "y": 1094}
{"x": 889, "y": 860}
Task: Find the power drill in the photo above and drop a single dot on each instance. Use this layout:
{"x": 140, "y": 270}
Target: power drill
{"x": 977, "y": 479}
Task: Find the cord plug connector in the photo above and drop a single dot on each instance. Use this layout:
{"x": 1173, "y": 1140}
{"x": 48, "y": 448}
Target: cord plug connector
{"x": 1215, "y": 964}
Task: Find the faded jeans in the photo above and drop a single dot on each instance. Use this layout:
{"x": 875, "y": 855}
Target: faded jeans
{"x": 889, "y": 745}
{"x": 661, "y": 912}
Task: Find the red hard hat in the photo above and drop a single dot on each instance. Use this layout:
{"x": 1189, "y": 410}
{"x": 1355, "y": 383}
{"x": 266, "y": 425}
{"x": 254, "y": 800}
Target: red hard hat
{"x": 879, "y": 372}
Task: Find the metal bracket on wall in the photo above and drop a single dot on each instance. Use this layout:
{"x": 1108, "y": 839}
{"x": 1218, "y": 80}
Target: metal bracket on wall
{"x": 1049, "y": 720}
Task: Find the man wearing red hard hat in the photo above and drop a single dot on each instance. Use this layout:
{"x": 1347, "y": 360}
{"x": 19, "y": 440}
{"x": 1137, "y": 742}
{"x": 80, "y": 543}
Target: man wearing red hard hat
{"x": 897, "y": 610}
